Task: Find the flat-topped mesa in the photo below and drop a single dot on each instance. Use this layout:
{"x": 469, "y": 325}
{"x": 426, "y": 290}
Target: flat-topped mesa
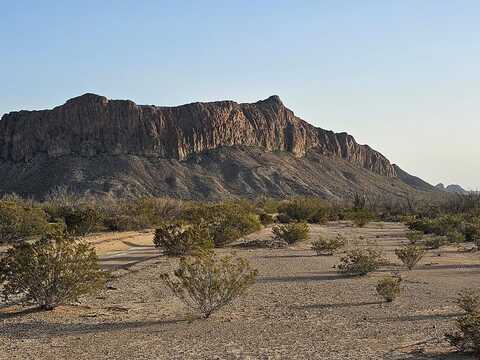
{"x": 90, "y": 125}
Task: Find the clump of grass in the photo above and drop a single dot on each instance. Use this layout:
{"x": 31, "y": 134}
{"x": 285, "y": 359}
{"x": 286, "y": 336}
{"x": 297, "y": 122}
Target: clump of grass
{"x": 389, "y": 288}
{"x": 291, "y": 233}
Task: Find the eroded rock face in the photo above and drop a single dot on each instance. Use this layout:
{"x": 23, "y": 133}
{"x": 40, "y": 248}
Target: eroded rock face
{"x": 92, "y": 125}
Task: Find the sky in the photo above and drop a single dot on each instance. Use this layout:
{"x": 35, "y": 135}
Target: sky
{"x": 402, "y": 76}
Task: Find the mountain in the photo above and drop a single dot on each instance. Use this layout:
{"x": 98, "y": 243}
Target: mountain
{"x": 195, "y": 151}
{"x": 452, "y": 188}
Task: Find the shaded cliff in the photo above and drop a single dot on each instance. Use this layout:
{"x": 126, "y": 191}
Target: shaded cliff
{"x": 92, "y": 125}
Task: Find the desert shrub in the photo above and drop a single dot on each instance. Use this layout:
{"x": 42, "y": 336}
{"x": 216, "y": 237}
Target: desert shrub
{"x": 268, "y": 205}
{"x": 389, "y": 288}
{"x": 291, "y": 233}
{"x": 466, "y": 338}
{"x": 414, "y": 236}
{"x": 284, "y": 219}
{"x": 227, "y": 221}
{"x": 54, "y": 270}
{"x": 469, "y": 300}
{"x": 266, "y": 219}
{"x": 360, "y": 261}
{"x": 434, "y": 242}
{"x": 472, "y": 230}
{"x": 324, "y": 246}
{"x": 360, "y": 218}
{"x": 19, "y": 220}
{"x": 206, "y": 283}
{"x": 455, "y": 237}
{"x": 176, "y": 239}
{"x": 305, "y": 210}
{"x": 410, "y": 255}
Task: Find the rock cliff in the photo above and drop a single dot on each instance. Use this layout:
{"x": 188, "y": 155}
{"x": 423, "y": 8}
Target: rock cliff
{"x": 91, "y": 126}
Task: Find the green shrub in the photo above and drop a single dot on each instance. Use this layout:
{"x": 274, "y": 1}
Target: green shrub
{"x": 284, "y": 219}
{"x": 305, "y": 210}
{"x": 80, "y": 220}
{"x": 414, "y": 236}
{"x": 389, "y": 288}
{"x": 19, "y": 220}
{"x": 361, "y": 218}
{"x": 455, "y": 237}
{"x": 206, "y": 283}
{"x": 52, "y": 271}
{"x": 469, "y": 300}
{"x": 410, "y": 255}
{"x": 434, "y": 242}
{"x": 268, "y": 205}
{"x": 467, "y": 336}
{"x": 324, "y": 246}
{"x": 360, "y": 261}
{"x": 176, "y": 239}
{"x": 227, "y": 222}
{"x": 291, "y": 233}
{"x": 266, "y": 219}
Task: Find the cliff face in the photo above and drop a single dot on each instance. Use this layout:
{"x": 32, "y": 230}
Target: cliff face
{"x": 92, "y": 125}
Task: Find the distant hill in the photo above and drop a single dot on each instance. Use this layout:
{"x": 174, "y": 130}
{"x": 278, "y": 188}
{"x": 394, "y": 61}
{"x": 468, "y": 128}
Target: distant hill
{"x": 195, "y": 151}
{"x": 453, "y": 188}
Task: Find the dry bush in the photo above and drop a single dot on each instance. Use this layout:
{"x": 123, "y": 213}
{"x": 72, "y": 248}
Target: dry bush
{"x": 176, "y": 239}
{"x": 389, "y": 288}
{"x": 466, "y": 338}
{"x": 291, "y": 233}
{"x": 360, "y": 217}
{"x": 54, "y": 270}
{"x": 414, "y": 236}
{"x": 324, "y": 246}
{"x": 20, "y": 220}
{"x": 206, "y": 283}
{"x": 360, "y": 261}
{"x": 410, "y": 255}
{"x": 435, "y": 242}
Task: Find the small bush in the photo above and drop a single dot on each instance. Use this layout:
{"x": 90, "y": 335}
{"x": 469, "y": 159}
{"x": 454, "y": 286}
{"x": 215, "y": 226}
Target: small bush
{"x": 469, "y": 300}
{"x": 291, "y": 233}
{"x": 51, "y": 271}
{"x": 328, "y": 246}
{"x": 361, "y": 218}
{"x": 266, "y": 219}
{"x": 284, "y": 219}
{"x": 434, "y": 242}
{"x": 389, "y": 288}
{"x": 176, "y": 239}
{"x": 19, "y": 220}
{"x": 414, "y": 236}
{"x": 360, "y": 261}
{"x": 467, "y": 336}
{"x": 206, "y": 283}
{"x": 455, "y": 237}
{"x": 410, "y": 255}
{"x": 305, "y": 210}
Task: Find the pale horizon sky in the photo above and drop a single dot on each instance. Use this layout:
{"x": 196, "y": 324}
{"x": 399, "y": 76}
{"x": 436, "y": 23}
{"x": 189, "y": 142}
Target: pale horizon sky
{"x": 400, "y": 76}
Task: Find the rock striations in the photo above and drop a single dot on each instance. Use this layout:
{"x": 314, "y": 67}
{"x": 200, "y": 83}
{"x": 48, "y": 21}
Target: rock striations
{"x": 194, "y": 151}
{"x": 90, "y": 125}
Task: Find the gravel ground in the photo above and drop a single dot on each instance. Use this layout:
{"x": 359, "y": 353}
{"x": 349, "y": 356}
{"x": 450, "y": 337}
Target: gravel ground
{"x": 298, "y": 309}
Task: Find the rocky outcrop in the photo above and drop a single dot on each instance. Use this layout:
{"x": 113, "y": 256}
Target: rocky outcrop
{"x": 452, "y": 188}
{"x": 92, "y": 125}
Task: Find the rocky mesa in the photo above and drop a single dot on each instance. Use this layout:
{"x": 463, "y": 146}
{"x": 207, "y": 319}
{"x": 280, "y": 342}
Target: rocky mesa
{"x": 91, "y": 127}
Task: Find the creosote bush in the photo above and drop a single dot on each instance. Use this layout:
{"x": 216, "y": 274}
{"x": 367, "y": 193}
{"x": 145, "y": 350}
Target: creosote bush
{"x": 206, "y": 283}
{"x": 410, "y": 255}
{"x": 324, "y": 246}
{"x": 52, "y": 271}
{"x": 414, "y": 237}
{"x": 389, "y": 288}
{"x": 435, "y": 242}
{"x": 291, "y": 233}
{"x": 466, "y": 338}
{"x": 20, "y": 220}
{"x": 177, "y": 239}
{"x": 360, "y": 261}
{"x": 360, "y": 217}
{"x": 310, "y": 210}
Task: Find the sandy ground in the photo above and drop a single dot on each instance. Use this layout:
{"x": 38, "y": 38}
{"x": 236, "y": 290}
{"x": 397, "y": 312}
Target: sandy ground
{"x": 300, "y": 308}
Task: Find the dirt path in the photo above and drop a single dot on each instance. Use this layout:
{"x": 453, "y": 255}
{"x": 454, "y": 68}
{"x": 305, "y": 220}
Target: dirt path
{"x": 299, "y": 308}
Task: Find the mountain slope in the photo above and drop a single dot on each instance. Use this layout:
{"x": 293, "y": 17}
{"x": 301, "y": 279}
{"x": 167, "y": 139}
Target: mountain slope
{"x": 199, "y": 150}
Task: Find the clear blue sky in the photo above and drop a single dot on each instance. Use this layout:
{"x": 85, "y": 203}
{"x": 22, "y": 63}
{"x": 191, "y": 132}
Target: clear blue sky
{"x": 402, "y": 76}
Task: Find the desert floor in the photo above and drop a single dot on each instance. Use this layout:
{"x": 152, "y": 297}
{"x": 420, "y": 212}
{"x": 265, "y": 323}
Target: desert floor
{"x": 300, "y": 308}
